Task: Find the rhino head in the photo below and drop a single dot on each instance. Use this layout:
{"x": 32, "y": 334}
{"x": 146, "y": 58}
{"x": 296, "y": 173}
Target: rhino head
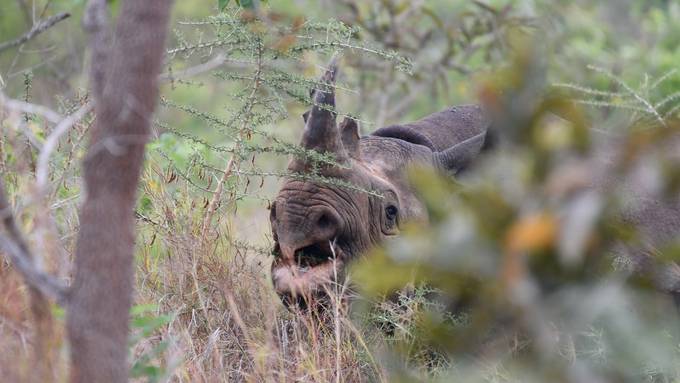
{"x": 320, "y": 224}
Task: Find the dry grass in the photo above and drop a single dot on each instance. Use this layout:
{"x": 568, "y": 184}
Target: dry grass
{"x": 228, "y": 325}
{"x": 224, "y": 323}
{"x": 205, "y": 310}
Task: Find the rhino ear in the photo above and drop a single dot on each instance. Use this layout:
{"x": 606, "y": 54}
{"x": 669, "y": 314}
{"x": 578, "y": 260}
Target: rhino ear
{"x": 305, "y": 116}
{"x": 349, "y": 132}
{"x": 459, "y": 156}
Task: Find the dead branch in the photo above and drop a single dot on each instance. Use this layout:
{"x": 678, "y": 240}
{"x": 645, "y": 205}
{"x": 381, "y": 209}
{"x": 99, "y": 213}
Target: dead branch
{"x": 37, "y": 29}
{"x": 195, "y": 70}
{"x": 15, "y": 247}
{"x": 26, "y": 107}
{"x": 63, "y": 124}
{"x": 42, "y": 168}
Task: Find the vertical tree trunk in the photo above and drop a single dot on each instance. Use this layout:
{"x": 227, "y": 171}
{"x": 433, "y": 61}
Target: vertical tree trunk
{"x": 125, "y": 96}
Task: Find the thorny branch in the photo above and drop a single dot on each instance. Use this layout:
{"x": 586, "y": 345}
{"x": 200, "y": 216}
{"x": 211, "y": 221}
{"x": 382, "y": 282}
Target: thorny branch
{"x": 195, "y": 70}
{"x": 42, "y": 168}
{"x": 250, "y": 103}
{"x": 37, "y": 29}
{"x": 26, "y": 107}
{"x": 63, "y": 124}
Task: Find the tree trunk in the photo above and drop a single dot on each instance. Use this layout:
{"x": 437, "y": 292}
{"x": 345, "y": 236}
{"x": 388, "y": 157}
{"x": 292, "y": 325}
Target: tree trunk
{"x": 125, "y": 97}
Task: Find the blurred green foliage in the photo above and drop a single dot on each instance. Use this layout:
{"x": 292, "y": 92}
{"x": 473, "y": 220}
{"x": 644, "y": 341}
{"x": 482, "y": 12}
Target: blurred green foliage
{"x": 526, "y": 248}
{"x": 145, "y": 322}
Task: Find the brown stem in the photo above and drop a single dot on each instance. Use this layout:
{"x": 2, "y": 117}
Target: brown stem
{"x": 233, "y": 161}
{"x": 14, "y": 245}
{"x": 37, "y": 29}
{"x": 41, "y": 286}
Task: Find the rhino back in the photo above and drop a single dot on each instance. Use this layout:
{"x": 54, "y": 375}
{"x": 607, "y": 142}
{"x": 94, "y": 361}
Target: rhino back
{"x": 442, "y": 130}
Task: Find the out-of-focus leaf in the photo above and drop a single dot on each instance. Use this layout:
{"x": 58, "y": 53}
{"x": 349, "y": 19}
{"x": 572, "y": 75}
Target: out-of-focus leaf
{"x": 140, "y": 309}
{"x": 578, "y": 221}
{"x": 249, "y": 4}
{"x": 379, "y": 274}
{"x": 284, "y": 43}
{"x": 434, "y": 190}
{"x": 531, "y": 233}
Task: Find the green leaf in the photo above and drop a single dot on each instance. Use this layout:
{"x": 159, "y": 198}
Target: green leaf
{"x": 247, "y": 4}
{"x": 58, "y": 312}
{"x": 221, "y": 4}
{"x": 145, "y": 204}
{"x": 138, "y": 310}
{"x": 148, "y": 324}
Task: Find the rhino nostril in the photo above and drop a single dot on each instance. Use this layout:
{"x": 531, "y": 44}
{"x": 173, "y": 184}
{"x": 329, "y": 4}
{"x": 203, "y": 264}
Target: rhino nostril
{"x": 324, "y": 221}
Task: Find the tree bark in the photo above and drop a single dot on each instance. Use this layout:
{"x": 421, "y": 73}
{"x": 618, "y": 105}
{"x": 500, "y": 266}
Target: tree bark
{"x": 125, "y": 92}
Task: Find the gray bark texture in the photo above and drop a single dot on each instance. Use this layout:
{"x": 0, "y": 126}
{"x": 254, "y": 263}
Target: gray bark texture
{"x": 125, "y": 91}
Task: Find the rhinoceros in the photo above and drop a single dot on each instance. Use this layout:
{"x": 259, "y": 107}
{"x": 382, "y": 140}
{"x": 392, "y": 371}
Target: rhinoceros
{"x": 319, "y": 227}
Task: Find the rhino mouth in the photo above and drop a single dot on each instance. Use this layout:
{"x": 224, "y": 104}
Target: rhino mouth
{"x": 308, "y": 278}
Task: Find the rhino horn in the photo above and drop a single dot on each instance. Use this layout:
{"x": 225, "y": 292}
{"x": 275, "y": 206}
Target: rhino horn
{"x": 459, "y": 156}
{"x": 321, "y": 133}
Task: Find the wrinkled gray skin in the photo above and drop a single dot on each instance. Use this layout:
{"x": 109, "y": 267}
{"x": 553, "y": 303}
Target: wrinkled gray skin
{"x": 318, "y": 227}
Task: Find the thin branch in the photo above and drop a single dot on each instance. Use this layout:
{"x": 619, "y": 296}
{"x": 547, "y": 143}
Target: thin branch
{"x": 671, "y": 112}
{"x": 18, "y": 253}
{"x": 212, "y": 205}
{"x": 650, "y": 109}
{"x": 589, "y": 91}
{"x": 63, "y": 124}
{"x": 670, "y": 98}
{"x": 37, "y": 29}
{"x": 607, "y": 104}
{"x": 42, "y": 168}
{"x": 663, "y": 78}
{"x": 213, "y": 63}
{"x": 26, "y": 107}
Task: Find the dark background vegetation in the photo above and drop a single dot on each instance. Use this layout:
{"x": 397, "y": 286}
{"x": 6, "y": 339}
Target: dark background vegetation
{"x": 514, "y": 280}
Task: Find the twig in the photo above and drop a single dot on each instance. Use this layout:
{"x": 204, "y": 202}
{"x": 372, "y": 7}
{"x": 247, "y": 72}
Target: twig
{"x": 195, "y": 70}
{"x": 27, "y": 107}
{"x": 337, "y": 299}
{"x": 16, "y": 248}
{"x": 650, "y": 109}
{"x": 663, "y": 78}
{"x": 212, "y": 205}
{"x": 42, "y": 168}
{"x": 37, "y": 29}
{"x": 63, "y": 124}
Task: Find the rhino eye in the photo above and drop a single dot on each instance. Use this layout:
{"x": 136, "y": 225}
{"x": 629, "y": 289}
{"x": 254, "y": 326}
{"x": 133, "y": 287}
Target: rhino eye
{"x": 391, "y": 212}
